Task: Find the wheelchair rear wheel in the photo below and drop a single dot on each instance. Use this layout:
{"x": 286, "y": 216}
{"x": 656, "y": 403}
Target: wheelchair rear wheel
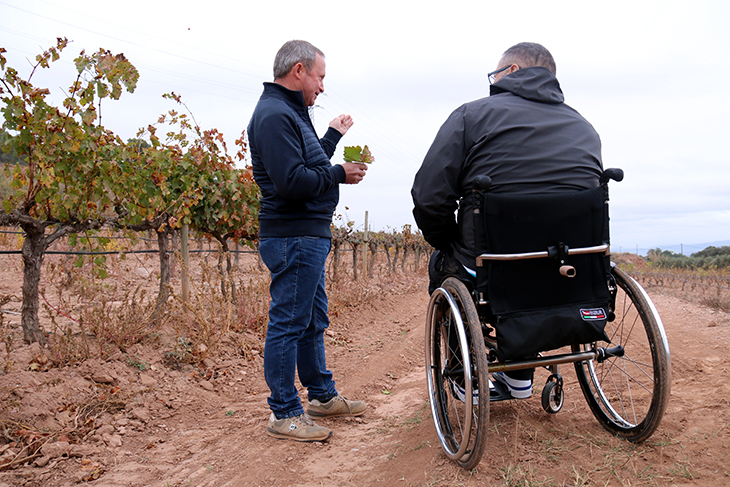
{"x": 628, "y": 389}
{"x": 458, "y": 373}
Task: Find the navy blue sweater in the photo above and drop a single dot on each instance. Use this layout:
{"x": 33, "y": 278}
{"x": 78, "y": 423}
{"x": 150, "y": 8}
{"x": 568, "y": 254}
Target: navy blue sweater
{"x": 299, "y": 185}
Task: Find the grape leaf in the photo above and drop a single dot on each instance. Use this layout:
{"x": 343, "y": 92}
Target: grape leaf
{"x": 358, "y": 154}
{"x": 352, "y": 154}
{"x": 367, "y": 156}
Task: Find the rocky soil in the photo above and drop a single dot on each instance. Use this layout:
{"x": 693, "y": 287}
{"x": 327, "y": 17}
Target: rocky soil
{"x": 141, "y": 419}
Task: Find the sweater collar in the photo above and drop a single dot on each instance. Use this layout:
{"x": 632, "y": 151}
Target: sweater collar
{"x": 293, "y": 98}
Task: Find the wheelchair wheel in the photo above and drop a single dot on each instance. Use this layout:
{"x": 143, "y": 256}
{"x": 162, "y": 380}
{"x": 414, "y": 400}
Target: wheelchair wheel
{"x": 552, "y": 397}
{"x": 628, "y": 389}
{"x": 457, "y": 372}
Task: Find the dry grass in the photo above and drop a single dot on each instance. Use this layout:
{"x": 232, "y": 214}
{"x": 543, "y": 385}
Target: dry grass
{"x": 26, "y": 442}
{"x": 97, "y": 318}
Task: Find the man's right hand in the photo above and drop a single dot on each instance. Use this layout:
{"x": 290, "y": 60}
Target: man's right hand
{"x": 342, "y": 123}
{"x": 354, "y": 172}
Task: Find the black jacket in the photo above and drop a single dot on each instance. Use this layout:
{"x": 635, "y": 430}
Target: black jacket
{"x": 291, "y": 165}
{"x": 523, "y": 136}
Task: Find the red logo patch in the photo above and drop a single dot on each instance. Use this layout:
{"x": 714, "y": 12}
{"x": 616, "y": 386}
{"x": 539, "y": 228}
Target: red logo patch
{"x": 593, "y": 314}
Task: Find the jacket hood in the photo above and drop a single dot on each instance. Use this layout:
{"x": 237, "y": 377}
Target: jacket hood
{"x": 535, "y": 84}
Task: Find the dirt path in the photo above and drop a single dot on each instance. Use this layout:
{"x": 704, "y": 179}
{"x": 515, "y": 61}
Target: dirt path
{"x": 183, "y": 431}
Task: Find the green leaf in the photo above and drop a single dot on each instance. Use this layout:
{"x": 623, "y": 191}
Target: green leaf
{"x": 352, "y": 153}
{"x": 101, "y": 272}
{"x": 358, "y": 154}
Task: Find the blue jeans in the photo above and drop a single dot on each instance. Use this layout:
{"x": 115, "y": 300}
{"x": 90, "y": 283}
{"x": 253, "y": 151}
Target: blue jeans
{"x": 297, "y": 321}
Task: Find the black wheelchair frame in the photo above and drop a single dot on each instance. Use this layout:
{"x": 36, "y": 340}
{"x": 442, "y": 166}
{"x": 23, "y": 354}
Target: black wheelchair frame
{"x": 626, "y": 380}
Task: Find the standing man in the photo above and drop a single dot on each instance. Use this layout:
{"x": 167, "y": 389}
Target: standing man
{"x": 525, "y": 138}
{"x": 299, "y": 194}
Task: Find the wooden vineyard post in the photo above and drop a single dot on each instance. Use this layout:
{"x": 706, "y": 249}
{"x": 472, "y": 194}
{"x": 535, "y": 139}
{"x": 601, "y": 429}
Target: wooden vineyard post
{"x": 184, "y": 250}
{"x": 366, "y": 237}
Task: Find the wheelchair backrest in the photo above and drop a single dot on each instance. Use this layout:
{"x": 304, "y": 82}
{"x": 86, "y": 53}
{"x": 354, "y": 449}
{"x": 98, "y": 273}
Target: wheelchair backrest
{"x": 533, "y": 289}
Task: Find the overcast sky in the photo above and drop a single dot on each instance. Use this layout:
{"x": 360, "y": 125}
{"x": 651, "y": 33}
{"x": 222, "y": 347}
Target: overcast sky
{"x": 651, "y": 76}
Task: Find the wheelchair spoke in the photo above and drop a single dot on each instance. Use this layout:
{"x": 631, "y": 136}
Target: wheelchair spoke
{"x": 623, "y": 330}
{"x": 607, "y": 395}
{"x": 638, "y": 366}
{"x": 624, "y": 362}
{"x": 618, "y": 388}
{"x": 628, "y": 393}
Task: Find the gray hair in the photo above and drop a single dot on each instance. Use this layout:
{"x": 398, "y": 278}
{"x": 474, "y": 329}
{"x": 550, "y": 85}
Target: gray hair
{"x": 294, "y": 52}
{"x": 529, "y": 54}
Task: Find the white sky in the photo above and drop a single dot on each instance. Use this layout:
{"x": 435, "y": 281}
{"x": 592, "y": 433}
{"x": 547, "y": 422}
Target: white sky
{"x": 651, "y": 76}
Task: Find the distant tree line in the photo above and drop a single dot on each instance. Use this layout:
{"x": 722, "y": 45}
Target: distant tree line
{"x": 708, "y": 258}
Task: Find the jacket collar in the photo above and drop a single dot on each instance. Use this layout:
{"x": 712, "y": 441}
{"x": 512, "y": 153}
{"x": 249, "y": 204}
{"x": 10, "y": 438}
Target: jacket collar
{"x": 293, "y": 98}
{"x": 535, "y": 83}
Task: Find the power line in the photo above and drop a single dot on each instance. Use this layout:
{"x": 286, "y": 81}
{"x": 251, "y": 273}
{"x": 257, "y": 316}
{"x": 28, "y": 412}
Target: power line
{"x": 397, "y": 159}
{"x": 23, "y": 34}
{"x": 385, "y": 133}
{"x": 237, "y": 60}
{"x": 402, "y": 158}
{"x": 205, "y": 63}
{"x": 388, "y": 134}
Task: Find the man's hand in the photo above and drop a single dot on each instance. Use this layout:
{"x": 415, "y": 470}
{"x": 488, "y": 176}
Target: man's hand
{"x": 354, "y": 172}
{"x": 342, "y": 123}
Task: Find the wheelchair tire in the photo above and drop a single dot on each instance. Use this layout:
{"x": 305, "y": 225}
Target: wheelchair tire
{"x": 456, "y": 366}
{"x": 628, "y": 391}
{"x": 552, "y": 398}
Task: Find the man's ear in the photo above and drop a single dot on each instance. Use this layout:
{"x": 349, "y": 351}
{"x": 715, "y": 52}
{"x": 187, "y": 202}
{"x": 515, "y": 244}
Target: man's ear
{"x": 299, "y": 70}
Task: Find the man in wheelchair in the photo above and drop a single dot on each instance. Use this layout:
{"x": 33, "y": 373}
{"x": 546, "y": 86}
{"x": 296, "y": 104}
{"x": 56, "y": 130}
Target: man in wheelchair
{"x": 526, "y": 139}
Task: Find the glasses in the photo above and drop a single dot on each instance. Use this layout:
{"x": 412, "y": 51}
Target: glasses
{"x": 491, "y": 75}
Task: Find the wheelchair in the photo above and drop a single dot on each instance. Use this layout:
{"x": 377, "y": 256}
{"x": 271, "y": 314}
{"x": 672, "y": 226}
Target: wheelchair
{"x": 544, "y": 284}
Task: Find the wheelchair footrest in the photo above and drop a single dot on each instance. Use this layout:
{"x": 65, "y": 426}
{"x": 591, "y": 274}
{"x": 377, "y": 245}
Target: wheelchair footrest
{"x": 498, "y": 391}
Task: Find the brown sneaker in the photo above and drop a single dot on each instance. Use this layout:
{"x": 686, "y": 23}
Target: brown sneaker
{"x": 297, "y": 428}
{"x": 337, "y": 406}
